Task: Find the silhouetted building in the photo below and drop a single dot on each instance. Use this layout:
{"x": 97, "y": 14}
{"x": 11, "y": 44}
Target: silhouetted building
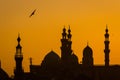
{"x": 87, "y": 57}
{"x": 107, "y": 51}
{"x": 3, "y": 75}
{"x": 18, "y": 72}
{"x": 66, "y": 67}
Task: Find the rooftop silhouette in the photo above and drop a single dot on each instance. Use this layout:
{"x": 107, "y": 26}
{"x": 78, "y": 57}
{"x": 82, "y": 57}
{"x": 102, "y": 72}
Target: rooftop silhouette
{"x": 66, "y": 67}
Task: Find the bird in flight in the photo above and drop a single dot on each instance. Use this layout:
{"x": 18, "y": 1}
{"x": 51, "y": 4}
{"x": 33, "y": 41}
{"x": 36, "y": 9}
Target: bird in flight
{"x": 32, "y": 13}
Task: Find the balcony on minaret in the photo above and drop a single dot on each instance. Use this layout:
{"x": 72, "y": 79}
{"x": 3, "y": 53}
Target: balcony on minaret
{"x": 18, "y": 55}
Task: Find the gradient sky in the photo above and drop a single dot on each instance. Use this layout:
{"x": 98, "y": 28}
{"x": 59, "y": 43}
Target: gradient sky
{"x": 42, "y": 32}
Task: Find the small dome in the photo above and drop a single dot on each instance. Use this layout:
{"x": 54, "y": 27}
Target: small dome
{"x": 87, "y": 50}
{"x": 51, "y": 59}
{"x": 74, "y": 58}
{"x": 3, "y": 75}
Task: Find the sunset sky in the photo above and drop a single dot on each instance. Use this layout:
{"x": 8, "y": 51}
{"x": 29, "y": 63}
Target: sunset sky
{"x": 42, "y": 32}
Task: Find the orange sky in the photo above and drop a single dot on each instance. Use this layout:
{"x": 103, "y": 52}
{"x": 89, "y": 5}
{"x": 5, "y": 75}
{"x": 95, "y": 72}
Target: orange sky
{"x": 42, "y": 32}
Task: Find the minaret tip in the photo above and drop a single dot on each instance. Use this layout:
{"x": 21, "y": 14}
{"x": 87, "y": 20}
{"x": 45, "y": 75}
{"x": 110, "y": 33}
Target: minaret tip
{"x": 69, "y": 29}
{"x": 69, "y": 26}
{"x": 87, "y": 43}
{"x": 18, "y": 34}
{"x": 18, "y": 39}
{"x": 106, "y": 26}
{"x": 64, "y": 26}
{"x": 64, "y": 29}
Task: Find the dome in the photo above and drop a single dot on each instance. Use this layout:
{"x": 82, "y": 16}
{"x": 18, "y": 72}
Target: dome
{"x": 87, "y": 56}
{"x": 87, "y": 50}
{"x": 51, "y": 59}
{"x": 74, "y": 58}
{"x": 3, "y": 75}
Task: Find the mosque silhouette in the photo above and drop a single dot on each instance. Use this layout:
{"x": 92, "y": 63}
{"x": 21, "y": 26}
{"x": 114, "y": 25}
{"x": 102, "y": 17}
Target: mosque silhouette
{"x": 67, "y": 66}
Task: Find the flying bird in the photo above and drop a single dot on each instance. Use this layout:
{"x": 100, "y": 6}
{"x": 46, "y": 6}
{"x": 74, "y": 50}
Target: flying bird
{"x": 32, "y": 13}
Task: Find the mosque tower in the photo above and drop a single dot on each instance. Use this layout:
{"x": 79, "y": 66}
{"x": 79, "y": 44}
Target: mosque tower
{"x": 18, "y": 71}
{"x": 66, "y": 43}
{"x": 69, "y": 41}
{"x": 106, "y": 50}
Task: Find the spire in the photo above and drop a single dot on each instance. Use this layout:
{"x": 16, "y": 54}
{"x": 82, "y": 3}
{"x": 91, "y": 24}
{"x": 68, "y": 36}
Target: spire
{"x": 106, "y": 29}
{"x": 69, "y": 33}
{"x": 106, "y": 50}
{"x": 69, "y": 30}
{"x": 18, "y": 71}
{"x": 64, "y": 33}
{"x": 18, "y": 47}
{"x": 106, "y": 26}
{"x": 18, "y": 40}
{"x": 106, "y": 34}
{"x": 87, "y": 43}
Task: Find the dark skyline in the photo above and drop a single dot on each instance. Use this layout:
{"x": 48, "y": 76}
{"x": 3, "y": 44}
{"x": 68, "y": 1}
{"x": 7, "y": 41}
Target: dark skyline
{"x": 66, "y": 67}
{"x": 87, "y": 19}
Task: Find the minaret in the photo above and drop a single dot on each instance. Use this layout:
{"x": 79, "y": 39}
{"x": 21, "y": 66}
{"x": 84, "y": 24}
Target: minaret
{"x": 106, "y": 50}
{"x": 64, "y": 42}
{"x": 18, "y": 58}
{"x": 69, "y": 41}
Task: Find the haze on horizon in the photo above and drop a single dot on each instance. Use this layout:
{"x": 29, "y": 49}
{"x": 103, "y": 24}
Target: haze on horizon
{"x": 42, "y": 32}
